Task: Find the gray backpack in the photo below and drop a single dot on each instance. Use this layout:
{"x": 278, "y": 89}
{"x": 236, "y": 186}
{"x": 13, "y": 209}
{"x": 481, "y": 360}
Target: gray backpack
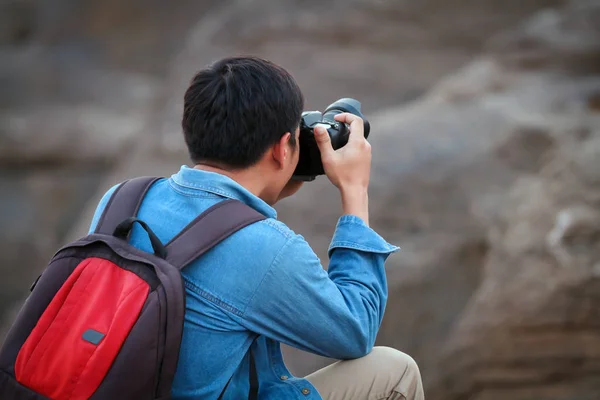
{"x": 104, "y": 320}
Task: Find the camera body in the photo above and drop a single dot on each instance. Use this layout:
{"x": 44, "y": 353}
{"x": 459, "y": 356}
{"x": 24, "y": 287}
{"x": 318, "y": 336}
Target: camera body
{"x": 310, "y": 165}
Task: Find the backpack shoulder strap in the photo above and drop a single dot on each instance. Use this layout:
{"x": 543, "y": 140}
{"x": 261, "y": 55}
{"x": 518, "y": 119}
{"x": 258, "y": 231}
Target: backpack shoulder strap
{"x": 124, "y": 203}
{"x": 208, "y": 229}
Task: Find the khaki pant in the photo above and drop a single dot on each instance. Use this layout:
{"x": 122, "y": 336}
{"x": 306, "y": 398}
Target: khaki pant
{"x": 385, "y": 373}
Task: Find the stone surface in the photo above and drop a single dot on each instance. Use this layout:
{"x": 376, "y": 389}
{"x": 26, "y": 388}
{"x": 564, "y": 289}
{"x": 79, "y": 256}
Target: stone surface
{"x": 491, "y": 185}
{"x": 490, "y": 182}
{"x": 78, "y": 80}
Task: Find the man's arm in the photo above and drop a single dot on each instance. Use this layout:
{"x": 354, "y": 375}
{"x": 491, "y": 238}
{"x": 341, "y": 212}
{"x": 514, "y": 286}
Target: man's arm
{"x": 337, "y": 313}
{"x": 348, "y": 168}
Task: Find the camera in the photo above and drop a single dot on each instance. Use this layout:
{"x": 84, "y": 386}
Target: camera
{"x": 310, "y": 165}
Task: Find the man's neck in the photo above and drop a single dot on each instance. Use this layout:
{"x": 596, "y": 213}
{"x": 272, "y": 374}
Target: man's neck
{"x": 250, "y": 178}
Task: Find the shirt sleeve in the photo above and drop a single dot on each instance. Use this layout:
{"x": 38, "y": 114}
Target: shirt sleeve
{"x": 101, "y": 206}
{"x": 335, "y": 313}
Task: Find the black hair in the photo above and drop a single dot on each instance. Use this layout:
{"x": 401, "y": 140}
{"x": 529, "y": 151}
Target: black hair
{"x": 236, "y": 108}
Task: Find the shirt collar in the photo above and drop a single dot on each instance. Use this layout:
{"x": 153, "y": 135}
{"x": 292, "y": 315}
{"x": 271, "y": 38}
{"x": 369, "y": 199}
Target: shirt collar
{"x": 221, "y": 185}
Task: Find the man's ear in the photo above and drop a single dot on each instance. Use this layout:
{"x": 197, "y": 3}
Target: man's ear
{"x": 281, "y": 150}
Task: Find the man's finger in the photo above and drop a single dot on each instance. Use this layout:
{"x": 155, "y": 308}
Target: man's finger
{"x": 323, "y": 141}
{"x": 346, "y": 117}
{"x": 357, "y": 130}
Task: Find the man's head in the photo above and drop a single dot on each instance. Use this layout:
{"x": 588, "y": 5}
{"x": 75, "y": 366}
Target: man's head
{"x": 241, "y": 113}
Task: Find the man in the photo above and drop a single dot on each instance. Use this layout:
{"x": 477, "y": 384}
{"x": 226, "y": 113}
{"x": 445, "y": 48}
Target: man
{"x": 264, "y": 285}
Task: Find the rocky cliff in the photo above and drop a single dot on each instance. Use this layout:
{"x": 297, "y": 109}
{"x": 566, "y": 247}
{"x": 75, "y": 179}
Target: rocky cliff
{"x": 89, "y": 87}
{"x": 489, "y": 181}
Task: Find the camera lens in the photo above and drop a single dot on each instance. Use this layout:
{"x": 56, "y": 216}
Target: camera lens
{"x": 348, "y": 105}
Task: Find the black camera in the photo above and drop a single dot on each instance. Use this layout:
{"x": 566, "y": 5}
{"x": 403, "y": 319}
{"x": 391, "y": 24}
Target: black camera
{"x": 310, "y": 165}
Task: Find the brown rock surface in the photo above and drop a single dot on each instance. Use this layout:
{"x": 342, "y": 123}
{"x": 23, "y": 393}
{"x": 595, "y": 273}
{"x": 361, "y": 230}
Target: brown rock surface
{"x": 75, "y": 91}
{"x": 490, "y": 183}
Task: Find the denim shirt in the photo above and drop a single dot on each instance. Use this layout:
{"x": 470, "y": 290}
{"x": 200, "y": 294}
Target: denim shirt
{"x": 263, "y": 286}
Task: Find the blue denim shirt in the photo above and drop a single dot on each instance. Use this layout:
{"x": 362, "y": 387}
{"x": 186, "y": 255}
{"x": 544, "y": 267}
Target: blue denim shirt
{"x": 264, "y": 280}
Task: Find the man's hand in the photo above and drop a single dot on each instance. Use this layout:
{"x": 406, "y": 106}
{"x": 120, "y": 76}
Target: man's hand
{"x": 348, "y": 168}
{"x": 290, "y": 188}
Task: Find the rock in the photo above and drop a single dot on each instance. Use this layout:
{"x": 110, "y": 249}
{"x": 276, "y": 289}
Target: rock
{"x": 391, "y": 52}
{"x": 554, "y": 39}
{"x": 70, "y": 136}
{"x": 489, "y": 182}
{"x": 16, "y": 21}
{"x": 526, "y": 328}
{"x": 79, "y": 80}
{"x": 576, "y": 231}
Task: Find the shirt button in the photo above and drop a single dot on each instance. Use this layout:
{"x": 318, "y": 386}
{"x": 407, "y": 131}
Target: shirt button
{"x": 284, "y": 377}
{"x": 305, "y": 391}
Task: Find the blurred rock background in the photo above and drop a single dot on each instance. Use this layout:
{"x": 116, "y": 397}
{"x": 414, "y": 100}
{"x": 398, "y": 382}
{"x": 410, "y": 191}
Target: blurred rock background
{"x": 486, "y": 151}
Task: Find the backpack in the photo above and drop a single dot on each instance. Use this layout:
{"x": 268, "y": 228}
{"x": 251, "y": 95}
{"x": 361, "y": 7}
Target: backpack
{"x": 105, "y": 319}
